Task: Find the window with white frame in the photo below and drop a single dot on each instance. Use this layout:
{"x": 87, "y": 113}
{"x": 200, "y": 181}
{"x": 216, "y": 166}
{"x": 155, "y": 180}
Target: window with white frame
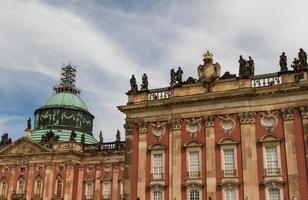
{"x": 21, "y": 186}
{"x": 157, "y": 195}
{"x": 106, "y": 190}
{"x": 158, "y": 166}
{"x": 38, "y": 189}
{"x": 229, "y": 162}
{"x": 230, "y": 194}
{"x": 271, "y": 160}
{"x": 122, "y": 189}
{"x": 194, "y": 195}
{"x": 3, "y": 188}
{"x": 89, "y": 190}
{"x": 274, "y": 194}
{"x": 59, "y": 187}
{"x": 194, "y": 164}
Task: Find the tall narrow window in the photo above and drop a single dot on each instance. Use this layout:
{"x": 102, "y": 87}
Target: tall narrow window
{"x": 157, "y": 195}
{"x": 157, "y": 166}
{"x": 38, "y": 187}
{"x": 59, "y": 188}
{"x": 271, "y": 161}
{"x": 230, "y": 194}
{"x": 3, "y": 188}
{"x": 21, "y": 186}
{"x": 194, "y": 195}
{"x": 89, "y": 190}
{"x": 106, "y": 190}
{"x": 194, "y": 171}
{"x": 122, "y": 189}
{"x": 274, "y": 194}
{"x": 229, "y": 162}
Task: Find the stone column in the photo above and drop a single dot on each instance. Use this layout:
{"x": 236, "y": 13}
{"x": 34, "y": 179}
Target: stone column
{"x": 249, "y": 155}
{"x": 210, "y": 157}
{"x": 80, "y": 183}
{"x": 115, "y": 183}
{"x": 97, "y": 181}
{"x": 304, "y": 113}
{"x": 128, "y": 152}
{"x": 12, "y": 179}
{"x": 69, "y": 181}
{"x": 175, "y": 160}
{"x": 288, "y": 126}
{"x": 142, "y": 161}
{"x": 48, "y": 181}
{"x": 31, "y": 181}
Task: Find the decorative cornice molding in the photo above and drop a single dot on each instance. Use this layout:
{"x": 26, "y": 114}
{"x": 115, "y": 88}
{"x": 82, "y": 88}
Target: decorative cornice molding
{"x": 209, "y": 120}
{"x": 287, "y": 113}
{"x": 247, "y": 117}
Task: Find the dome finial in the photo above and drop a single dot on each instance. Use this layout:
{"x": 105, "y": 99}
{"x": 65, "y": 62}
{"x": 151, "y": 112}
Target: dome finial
{"x": 68, "y": 79}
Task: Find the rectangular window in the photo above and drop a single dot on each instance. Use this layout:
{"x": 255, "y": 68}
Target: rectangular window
{"x": 271, "y": 161}
{"x": 194, "y": 169}
{"x": 89, "y": 191}
{"x": 157, "y": 195}
{"x": 158, "y": 166}
{"x": 274, "y": 194}
{"x": 106, "y": 190}
{"x": 194, "y": 195}
{"x": 229, "y": 162}
{"x": 230, "y": 194}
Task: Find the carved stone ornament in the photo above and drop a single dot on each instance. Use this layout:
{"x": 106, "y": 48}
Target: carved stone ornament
{"x": 209, "y": 120}
{"x": 208, "y": 72}
{"x": 247, "y": 117}
{"x": 175, "y": 124}
{"x": 128, "y": 126}
{"x": 287, "y": 113}
{"x": 268, "y": 121}
{"x": 193, "y": 126}
{"x": 304, "y": 112}
{"x": 107, "y": 168}
{"x": 143, "y": 127}
{"x": 158, "y": 128}
{"x": 227, "y": 124}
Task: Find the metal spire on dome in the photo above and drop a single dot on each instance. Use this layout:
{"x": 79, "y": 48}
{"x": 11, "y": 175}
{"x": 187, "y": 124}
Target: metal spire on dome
{"x": 68, "y": 78}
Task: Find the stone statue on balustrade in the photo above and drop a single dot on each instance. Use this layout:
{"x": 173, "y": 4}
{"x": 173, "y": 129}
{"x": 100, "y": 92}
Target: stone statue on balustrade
{"x": 296, "y": 64}
{"x": 209, "y": 71}
{"x": 101, "y": 138}
{"x": 172, "y": 78}
{"x": 179, "y": 76}
{"x": 145, "y": 83}
{"x": 246, "y": 68}
{"x": 283, "y": 62}
{"x": 118, "y": 136}
{"x": 29, "y": 124}
{"x": 133, "y": 84}
{"x": 302, "y": 57}
{"x": 73, "y": 136}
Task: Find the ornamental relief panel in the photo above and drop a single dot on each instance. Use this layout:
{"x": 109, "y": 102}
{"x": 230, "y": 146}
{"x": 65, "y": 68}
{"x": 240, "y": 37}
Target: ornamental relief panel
{"x": 193, "y": 126}
{"x": 268, "y": 120}
{"x": 175, "y": 124}
{"x": 209, "y": 120}
{"x": 287, "y": 113}
{"x": 247, "y": 117}
{"x": 227, "y": 123}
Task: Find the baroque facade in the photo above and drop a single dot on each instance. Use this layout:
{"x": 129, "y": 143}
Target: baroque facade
{"x": 219, "y": 137}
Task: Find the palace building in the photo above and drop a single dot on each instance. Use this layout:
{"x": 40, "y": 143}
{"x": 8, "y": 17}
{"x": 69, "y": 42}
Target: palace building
{"x": 219, "y": 137}
{"x": 214, "y": 137}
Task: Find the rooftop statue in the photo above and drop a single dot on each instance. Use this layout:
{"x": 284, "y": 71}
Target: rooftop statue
{"x": 172, "y": 78}
{"x": 296, "y": 64}
{"x": 208, "y": 72}
{"x": 145, "y": 83}
{"x": 29, "y": 124}
{"x": 73, "y": 136}
{"x": 5, "y": 139}
{"x": 179, "y": 76}
{"x": 283, "y": 62}
{"x": 246, "y": 68}
{"x": 83, "y": 139}
{"x": 101, "y": 138}
{"x": 133, "y": 84}
{"x": 302, "y": 57}
{"x": 118, "y": 136}
{"x": 49, "y": 138}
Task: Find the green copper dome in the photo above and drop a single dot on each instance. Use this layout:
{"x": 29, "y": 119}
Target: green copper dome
{"x": 66, "y": 100}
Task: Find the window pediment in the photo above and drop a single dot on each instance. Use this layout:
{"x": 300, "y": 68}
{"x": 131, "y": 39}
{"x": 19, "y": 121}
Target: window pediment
{"x": 193, "y": 143}
{"x": 228, "y": 140}
{"x": 229, "y": 184}
{"x": 270, "y": 138}
{"x": 157, "y": 146}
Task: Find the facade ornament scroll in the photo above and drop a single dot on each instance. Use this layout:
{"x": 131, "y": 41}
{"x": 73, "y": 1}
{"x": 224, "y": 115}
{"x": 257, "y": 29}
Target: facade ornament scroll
{"x": 143, "y": 127}
{"x": 304, "y": 112}
{"x": 193, "y": 126}
{"x": 209, "y": 120}
{"x": 247, "y": 117}
{"x": 287, "y": 113}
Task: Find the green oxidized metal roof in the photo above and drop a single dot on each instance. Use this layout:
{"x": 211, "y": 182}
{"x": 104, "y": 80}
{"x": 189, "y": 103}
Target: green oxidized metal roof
{"x": 65, "y": 99}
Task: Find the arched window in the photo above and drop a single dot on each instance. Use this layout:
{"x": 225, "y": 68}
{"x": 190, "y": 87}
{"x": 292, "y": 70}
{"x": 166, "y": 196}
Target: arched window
{"x": 194, "y": 195}
{"x": 3, "y": 188}
{"x": 89, "y": 190}
{"x": 21, "y": 186}
{"x": 38, "y": 189}
{"x": 59, "y": 187}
